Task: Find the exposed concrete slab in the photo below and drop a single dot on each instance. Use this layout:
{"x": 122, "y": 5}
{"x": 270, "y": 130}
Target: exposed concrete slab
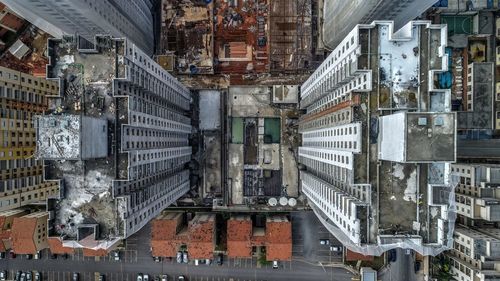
{"x": 290, "y": 171}
{"x": 235, "y": 173}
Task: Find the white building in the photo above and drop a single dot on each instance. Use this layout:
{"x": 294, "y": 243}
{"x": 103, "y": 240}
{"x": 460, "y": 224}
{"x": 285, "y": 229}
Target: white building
{"x": 88, "y": 18}
{"x": 354, "y": 139}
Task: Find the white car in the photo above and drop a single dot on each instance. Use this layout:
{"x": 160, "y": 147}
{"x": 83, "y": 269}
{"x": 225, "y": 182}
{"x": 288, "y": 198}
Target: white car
{"x": 179, "y": 257}
{"x": 335, "y": 249}
{"x": 146, "y": 277}
{"x": 275, "y": 264}
{"x": 185, "y": 257}
{"x": 324, "y": 241}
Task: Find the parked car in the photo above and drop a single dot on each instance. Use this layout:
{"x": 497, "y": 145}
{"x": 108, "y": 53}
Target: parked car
{"x": 2, "y": 255}
{"x": 65, "y": 256}
{"x": 38, "y": 276}
{"x": 3, "y": 275}
{"x": 185, "y": 257}
{"x": 23, "y": 276}
{"x": 12, "y": 255}
{"x": 392, "y": 255}
{"x": 196, "y": 262}
{"x": 179, "y": 257}
{"x": 275, "y": 264}
{"x": 18, "y": 275}
{"x": 324, "y": 241}
{"x": 417, "y": 266}
{"x": 335, "y": 249}
{"x": 116, "y": 255}
{"x": 29, "y": 256}
{"x": 139, "y": 277}
{"x": 146, "y": 277}
{"x": 157, "y": 259}
{"x": 29, "y": 277}
{"x": 102, "y": 277}
{"x": 220, "y": 259}
{"x": 208, "y": 261}
{"x": 76, "y": 276}
{"x": 53, "y": 256}
{"x": 164, "y": 277}
{"x": 37, "y": 255}
{"x": 408, "y": 251}
{"x": 181, "y": 278}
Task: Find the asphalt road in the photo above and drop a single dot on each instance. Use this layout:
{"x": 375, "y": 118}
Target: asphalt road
{"x": 402, "y": 269}
{"x": 136, "y": 258}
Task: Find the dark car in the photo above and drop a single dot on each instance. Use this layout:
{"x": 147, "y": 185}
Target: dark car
{"x": 12, "y": 255}
{"x": 2, "y": 255}
{"x": 53, "y": 256}
{"x": 29, "y": 256}
{"x": 417, "y": 266}
{"x": 220, "y": 259}
{"x": 392, "y": 255}
{"x": 102, "y": 277}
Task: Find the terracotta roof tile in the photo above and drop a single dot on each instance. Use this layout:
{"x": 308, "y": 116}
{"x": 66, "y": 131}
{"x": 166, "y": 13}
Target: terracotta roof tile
{"x": 353, "y": 256}
{"x": 168, "y": 234}
{"x": 239, "y": 236}
{"x": 56, "y": 246}
{"x": 94, "y": 253}
{"x": 23, "y": 230}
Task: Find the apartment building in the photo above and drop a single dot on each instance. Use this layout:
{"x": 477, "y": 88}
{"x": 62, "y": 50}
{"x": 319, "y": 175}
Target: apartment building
{"x": 477, "y": 195}
{"x": 340, "y": 16}
{"x": 475, "y": 254}
{"x": 88, "y": 18}
{"x": 120, "y": 123}
{"x": 21, "y": 176}
{"x": 378, "y": 138}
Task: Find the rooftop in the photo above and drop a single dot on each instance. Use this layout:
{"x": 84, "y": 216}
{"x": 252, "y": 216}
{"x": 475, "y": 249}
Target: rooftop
{"x": 169, "y": 233}
{"x": 58, "y": 137}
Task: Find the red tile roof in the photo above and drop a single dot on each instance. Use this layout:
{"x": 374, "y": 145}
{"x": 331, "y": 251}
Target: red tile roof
{"x": 168, "y": 234}
{"x": 279, "y": 240}
{"x": 239, "y": 234}
{"x": 56, "y": 246}
{"x": 241, "y": 237}
{"x": 353, "y": 256}
{"x": 94, "y": 253}
{"x": 23, "y": 230}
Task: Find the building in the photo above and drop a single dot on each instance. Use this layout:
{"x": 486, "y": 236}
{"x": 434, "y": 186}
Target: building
{"x": 21, "y": 176}
{"x": 275, "y": 238}
{"x": 133, "y": 164}
{"x": 475, "y": 254}
{"x": 131, "y": 19}
{"x": 9, "y": 22}
{"x": 377, "y": 140}
{"x": 477, "y": 196}
{"x": 29, "y": 233}
{"x": 169, "y": 233}
{"x": 340, "y": 17}
{"x": 476, "y": 239}
{"x": 6, "y": 221}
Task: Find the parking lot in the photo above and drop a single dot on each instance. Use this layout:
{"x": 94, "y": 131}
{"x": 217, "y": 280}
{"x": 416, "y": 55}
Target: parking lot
{"x": 307, "y": 231}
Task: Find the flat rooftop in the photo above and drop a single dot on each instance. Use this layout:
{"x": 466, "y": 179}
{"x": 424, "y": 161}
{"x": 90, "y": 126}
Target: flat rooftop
{"x": 434, "y": 141}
